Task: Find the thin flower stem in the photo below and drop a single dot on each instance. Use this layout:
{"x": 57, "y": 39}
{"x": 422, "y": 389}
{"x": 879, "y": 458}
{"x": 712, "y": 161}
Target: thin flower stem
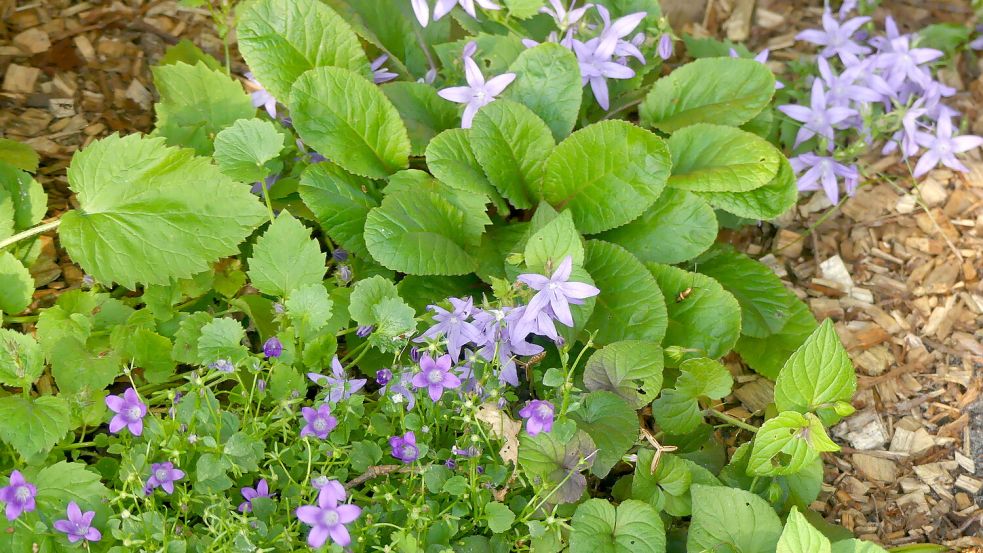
{"x": 29, "y": 233}
{"x": 731, "y": 420}
{"x": 266, "y": 198}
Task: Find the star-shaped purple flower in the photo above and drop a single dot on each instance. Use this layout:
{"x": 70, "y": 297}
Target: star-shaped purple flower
{"x": 328, "y": 519}
{"x": 538, "y": 415}
{"x": 261, "y": 97}
{"x": 942, "y": 147}
{"x": 453, "y": 326}
{"x": 556, "y": 293}
{"x": 836, "y": 38}
{"x": 597, "y": 65}
{"x": 340, "y": 387}
{"x": 19, "y": 495}
{"x": 404, "y": 447}
{"x": 478, "y": 93}
{"x": 824, "y": 171}
{"x": 818, "y": 118}
{"x": 78, "y": 526}
{"x": 379, "y": 73}
{"x": 435, "y": 376}
{"x": 163, "y": 476}
{"x": 129, "y": 412}
{"x": 565, "y": 17}
{"x": 443, "y": 7}
{"x": 262, "y": 489}
{"x": 320, "y": 422}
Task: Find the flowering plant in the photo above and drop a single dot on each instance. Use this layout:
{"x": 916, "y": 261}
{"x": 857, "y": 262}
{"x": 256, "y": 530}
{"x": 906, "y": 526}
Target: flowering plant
{"x": 449, "y": 299}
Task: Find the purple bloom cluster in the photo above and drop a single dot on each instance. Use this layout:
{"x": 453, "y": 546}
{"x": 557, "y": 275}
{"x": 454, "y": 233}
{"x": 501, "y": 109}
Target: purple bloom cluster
{"x": 78, "y": 526}
{"x": 880, "y": 75}
{"x": 421, "y": 8}
{"x": 327, "y": 519}
{"x": 404, "y": 447}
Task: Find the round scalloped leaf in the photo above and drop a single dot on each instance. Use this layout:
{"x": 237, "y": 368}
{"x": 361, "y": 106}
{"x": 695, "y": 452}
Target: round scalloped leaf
{"x": 767, "y": 202}
{"x": 16, "y": 285}
{"x": 547, "y": 81}
{"x": 611, "y": 423}
{"x": 606, "y": 174}
{"x": 631, "y": 305}
{"x": 243, "y": 149}
{"x": 33, "y": 426}
{"x": 715, "y": 158}
{"x": 285, "y": 258}
{"x": 281, "y": 39}
{"x": 336, "y": 198}
{"x": 632, "y": 369}
{"x": 738, "y": 518}
{"x": 148, "y": 213}
{"x": 451, "y": 160}
{"x": 345, "y": 117}
{"x": 631, "y": 527}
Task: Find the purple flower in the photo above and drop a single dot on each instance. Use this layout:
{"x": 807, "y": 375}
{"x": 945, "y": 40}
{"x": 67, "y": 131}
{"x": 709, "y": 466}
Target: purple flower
{"x": 18, "y": 495}
{"x": 364, "y": 331}
{"x": 344, "y": 273}
{"x": 465, "y": 452}
{"x": 478, "y": 93}
{"x": 261, "y": 97}
{"x": 163, "y": 475}
{"x": 824, "y": 171}
{"x": 665, "y": 46}
{"x": 404, "y": 447}
{"x": 340, "y": 387}
{"x": 398, "y": 390}
{"x": 451, "y": 464}
{"x": 78, "y": 526}
{"x": 556, "y": 293}
{"x": 129, "y": 412}
{"x": 453, "y": 326}
{"x": 942, "y": 147}
{"x": 339, "y": 254}
{"x": 379, "y": 73}
{"x": 903, "y": 62}
{"x": 443, "y": 7}
{"x": 977, "y": 44}
{"x": 422, "y": 11}
{"x": 328, "y": 518}
{"x": 907, "y": 138}
{"x": 261, "y": 385}
{"x": 435, "y": 376}
{"x": 565, "y": 17}
{"x": 320, "y": 423}
{"x": 818, "y": 118}
{"x": 272, "y": 347}
{"x": 614, "y": 31}
{"x": 843, "y": 89}
{"x": 597, "y": 65}
{"x": 415, "y": 354}
{"x": 836, "y": 37}
{"x": 262, "y": 489}
{"x": 538, "y": 415}
{"x": 383, "y": 376}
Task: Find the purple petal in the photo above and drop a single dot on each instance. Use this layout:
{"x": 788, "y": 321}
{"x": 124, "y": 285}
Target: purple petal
{"x": 308, "y": 514}
{"x": 318, "y": 536}
{"x": 496, "y": 85}
{"x": 348, "y": 513}
{"x": 340, "y": 535}
{"x": 457, "y": 94}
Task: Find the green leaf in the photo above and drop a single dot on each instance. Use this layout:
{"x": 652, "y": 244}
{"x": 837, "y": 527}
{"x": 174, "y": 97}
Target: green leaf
{"x": 523, "y": 9}
{"x": 21, "y": 359}
{"x": 345, "y": 117}
{"x": 187, "y": 52}
{"x": 63, "y": 482}
{"x": 498, "y": 517}
{"x": 611, "y": 423}
{"x": 393, "y": 318}
{"x": 799, "y": 536}
{"x": 151, "y": 352}
{"x": 339, "y": 201}
{"x": 16, "y": 285}
{"x": 243, "y": 150}
{"x": 787, "y": 443}
{"x": 421, "y": 291}
{"x": 631, "y": 527}
{"x": 704, "y": 319}
{"x": 553, "y": 243}
{"x": 366, "y": 295}
{"x": 677, "y": 412}
{"x": 19, "y": 155}
{"x": 704, "y": 378}
{"x": 281, "y": 39}
{"x": 631, "y": 369}
{"x": 244, "y": 450}
{"x": 414, "y": 181}
{"x": 547, "y": 81}
{"x": 731, "y": 520}
{"x": 715, "y": 158}
{"x": 854, "y": 545}
{"x": 818, "y": 374}
{"x": 672, "y": 477}
{"x": 766, "y": 304}
{"x": 723, "y": 91}
{"x": 766, "y": 202}
{"x": 222, "y": 339}
{"x": 33, "y": 426}
{"x": 309, "y": 308}
{"x": 23, "y": 196}
{"x": 424, "y": 113}
{"x": 286, "y": 258}
{"x": 450, "y": 159}
{"x": 678, "y": 227}
{"x": 511, "y": 144}
{"x": 197, "y": 102}
{"x": 559, "y": 464}
{"x": 145, "y": 211}
{"x": 186, "y": 338}
{"x": 630, "y": 305}
{"x": 422, "y": 233}
{"x": 606, "y": 174}
{"x": 768, "y": 355}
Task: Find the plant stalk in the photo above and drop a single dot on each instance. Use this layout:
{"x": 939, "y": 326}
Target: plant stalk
{"x": 29, "y": 233}
{"x": 732, "y": 420}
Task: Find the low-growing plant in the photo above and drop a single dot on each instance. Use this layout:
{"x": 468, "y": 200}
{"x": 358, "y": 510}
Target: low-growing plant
{"x": 348, "y": 322}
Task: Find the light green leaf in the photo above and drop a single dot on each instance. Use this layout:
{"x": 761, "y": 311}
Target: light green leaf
{"x": 678, "y": 227}
{"x": 706, "y": 322}
{"x": 243, "y": 150}
{"x": 768, "y": 355}
{"x": 611, "y": 423}
{"x": 523, "y": 9}
{"x": 187, "y": 335}
{"x": 630, "y": 305}
{"x": 422, "y": 233}
{"x": 414, "y": 181}
{"x": 511, "y": 144}
{"x": 337, "y": 199}
{"x": 715, "y": 158}
{"x": 21, "y": 359}
{"x": 309, "y": 308}
{"x": 16, "y": 285}
{"x": 151, "y": 352}
{"x": 632, "y": 527}
{"x": 498, "y": 517}
{"x": 631, "y": 369}
{"x": 799, "y": 536}
{"x": 222, "y": 339}
{"x": 147, "y": 213}
{"x": 393, "y": 318}
{"x": 787, "y": 443}
{"x": 23, "y": 196}
{"x": 723, "y": 91}
{"x": 33, "y": 426}
{"x": 731, "y": 520}
{"x": 281, "y": 39}
{"x": 63, "y": 482}
{"x": 854, "y": 545}
{"x": 18, "y": 155}
{"x": 672, "y": 477}
{"x": 818, "y": 374}
{"x": 424, "y": 113}
{"x": 366, "y": 295}
{"x": 450, "y": 159}
{"x": 345, "y": 117}
{"x": 767, "y": 202}
{"x": 547, "y": 81}
{"x": 286, "y": 258}
{"x": 553, "y": 243}
{"x": 677, "y": 412}
{"x": 606, "y": 174}
{"x": 197, "y": 102}
{"x": 420, "y": 291}
{"x": 704, "y": 378}
{"x": 559, "y": 464}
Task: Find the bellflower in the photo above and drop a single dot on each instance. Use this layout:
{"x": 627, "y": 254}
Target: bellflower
{"x": 262, "y": 489}
{"x": 597, "y": 65}
{"x": 340, "y": 387}
{"x": 942, "y": 147}
{"x": 320, "y": 422}
{"x": 565, "y": 17}
{"x": 613, "y": 31}
{"x": 836, "y": 38}
{"x": 163, "y": 475}
{"x": 78, "y": 526}
{"x": 383, "y": 376}
{"x": 904, "y": 62}
{"x": 404, "y": 447}
{"x": 435, "y": 376}
{"x": 818, "y": 118}
{"x": 272, "y": 347}
{"x": 453, "y": 326}
{"x": 556, "y": 292}
{"x": 328, "y": 519}
{"x": 824, "y": 171}
{"x": 907, "y": 138}
{"x": 260, "y": 96}
{"x": 19, "y": 496}
{"x": 379, "y": 73}
{"x": 843, "y": 89}
{"x": 478, "y": 93}
{"x": 398, "y": 390}
{"x": 665, "y": 46}
{"x": 443, "y": 7}
{"x": 129, "y": 412}
{"x": 222, "y": 366}
{"x": 538, "y": 415}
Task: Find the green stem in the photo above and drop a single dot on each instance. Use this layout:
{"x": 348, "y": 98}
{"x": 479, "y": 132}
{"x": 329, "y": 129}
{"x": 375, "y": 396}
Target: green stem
{"x": 266, "y": 197}
{"x": 29, "y": 233}
{"x": 731, "y": 420}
